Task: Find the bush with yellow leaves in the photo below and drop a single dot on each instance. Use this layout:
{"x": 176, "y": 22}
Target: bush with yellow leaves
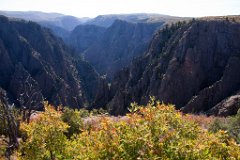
{"x": 156, "y": 131}
{"x": 43, "y": 137}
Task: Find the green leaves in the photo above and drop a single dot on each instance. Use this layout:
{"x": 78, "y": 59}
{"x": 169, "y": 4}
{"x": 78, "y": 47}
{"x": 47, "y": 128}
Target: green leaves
{"x": 73, "y": 119}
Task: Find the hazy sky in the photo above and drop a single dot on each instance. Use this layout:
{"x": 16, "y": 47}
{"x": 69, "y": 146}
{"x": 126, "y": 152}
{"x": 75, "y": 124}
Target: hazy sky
{"x": 92, "y": 8}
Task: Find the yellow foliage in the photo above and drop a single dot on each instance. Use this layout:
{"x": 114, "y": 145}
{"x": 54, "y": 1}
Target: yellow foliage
{"x": 3, "y": 146}
{"x": 156, "y": 131}
{"x": 44, "y": 135}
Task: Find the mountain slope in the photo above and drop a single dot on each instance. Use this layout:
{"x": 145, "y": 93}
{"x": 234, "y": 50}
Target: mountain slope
{"x": 84, "y": 36}
{"x": 126, "y": 38}
{"x": 194, "y": 66}
{"x": 119, "y": 44}
{"x": 28, "y": 50}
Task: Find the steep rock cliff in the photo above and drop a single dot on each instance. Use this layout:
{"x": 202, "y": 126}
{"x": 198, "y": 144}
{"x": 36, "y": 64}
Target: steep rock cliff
{"x": 193, "y": 66}
{"x": 29, "y": 50}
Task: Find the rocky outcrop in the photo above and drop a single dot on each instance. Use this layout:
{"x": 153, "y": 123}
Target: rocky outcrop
{"x": 22, "y": 83}
{"x": 226, "y": 107}
{"x": 215, "y": 93}
{"x": 193, "y": 66}
{"x": 28, "y": 50}
{"x": 103, "y": 94}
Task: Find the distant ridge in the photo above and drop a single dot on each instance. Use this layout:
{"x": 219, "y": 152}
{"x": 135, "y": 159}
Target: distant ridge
{"x": 67, "y": 22}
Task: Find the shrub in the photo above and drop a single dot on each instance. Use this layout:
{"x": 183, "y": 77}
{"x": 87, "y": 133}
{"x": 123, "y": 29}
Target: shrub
{"x": 3, "y": 146}
{"x": 218, "y": 124}
{"x": 44, "y": 136}
{"x": 84, "y": 113}
{"x": 99, "y": 111}
{"x": 156, "y": 131}
{"x": 73, "y": 119}
{"x": 230, "y": 124}
{"x": 234, "y": 128}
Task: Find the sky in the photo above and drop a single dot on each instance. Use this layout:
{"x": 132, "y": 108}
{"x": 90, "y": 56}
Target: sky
{"x": 92, "y": 8}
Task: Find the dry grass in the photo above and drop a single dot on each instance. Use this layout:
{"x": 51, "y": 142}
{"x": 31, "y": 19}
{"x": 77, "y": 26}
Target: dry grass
{"x": 202, "y": 120}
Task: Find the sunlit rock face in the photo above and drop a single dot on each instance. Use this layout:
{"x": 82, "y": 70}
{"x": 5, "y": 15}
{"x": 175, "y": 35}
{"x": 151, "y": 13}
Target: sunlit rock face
{"x": 193, "y": 65}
